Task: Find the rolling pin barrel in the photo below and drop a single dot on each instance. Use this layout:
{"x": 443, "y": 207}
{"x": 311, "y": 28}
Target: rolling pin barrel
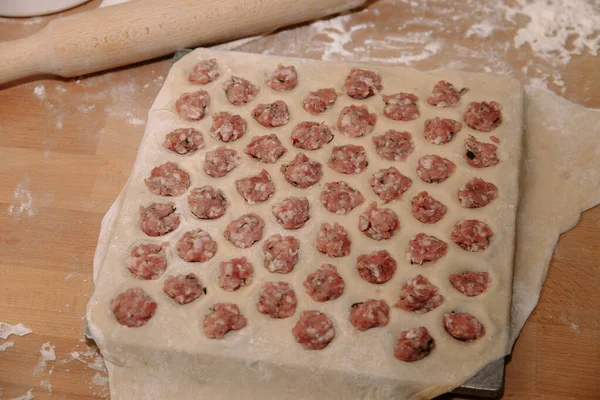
{"x": 139, "y": 30}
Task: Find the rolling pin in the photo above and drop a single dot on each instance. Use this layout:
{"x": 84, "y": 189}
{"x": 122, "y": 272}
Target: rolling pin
{"x": 139, "y": 30}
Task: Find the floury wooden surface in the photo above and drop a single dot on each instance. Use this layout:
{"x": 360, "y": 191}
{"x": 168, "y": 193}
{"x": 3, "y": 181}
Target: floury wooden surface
{"x": 67, "y": 150}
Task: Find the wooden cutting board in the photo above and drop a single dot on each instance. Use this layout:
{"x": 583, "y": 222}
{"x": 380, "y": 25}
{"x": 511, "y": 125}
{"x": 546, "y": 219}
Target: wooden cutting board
{"x": 67, "y": 148}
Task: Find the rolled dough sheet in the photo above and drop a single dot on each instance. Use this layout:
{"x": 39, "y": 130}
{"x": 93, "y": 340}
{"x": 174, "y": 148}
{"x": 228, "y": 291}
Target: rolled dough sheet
{"x": 171, "y": 358}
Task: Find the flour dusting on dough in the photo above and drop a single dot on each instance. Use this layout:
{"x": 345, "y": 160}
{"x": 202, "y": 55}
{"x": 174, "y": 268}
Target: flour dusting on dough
{"x": 23, "y": 201}
{"x": 5, "y": 346}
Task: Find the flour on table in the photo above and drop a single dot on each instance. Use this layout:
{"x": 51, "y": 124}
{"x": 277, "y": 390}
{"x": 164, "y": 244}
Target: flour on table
{"x": 99, "y": 380}
{"x": 27, "y": 396}
{"x": 6, "y": 345}
{"x": 18, "y": 330}
{"x": 40, "y": 91}
{"x": 45, "y": 385}
{"x": 47, "y": 354}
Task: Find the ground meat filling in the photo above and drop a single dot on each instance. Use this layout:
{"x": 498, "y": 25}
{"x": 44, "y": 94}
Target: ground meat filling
{"x": 284, "y": 78}
{"x": 239, "y": 91}
{"x": 207, "y": 202}
{"x": 309, "y": 135}
{"x": 369, "y": 314}
{"x": 265, "y": 149}
{"x": 314, "y": 330}
{"x": 389, "y": 184}
{"x": 378, "y": 223}
{"x": 361, "y": 84}
{"x": 159, "y": 219}
{"x": 348, "y": 159}
{"x": 257, "y": 188}
{"x": 401, "y": 106}
{"x": 271, "y": 115}
{"x": 432, "y": 168}
{"x": 483, "y": 117}
{"x": 184, "y": 141}
{"x": 292, "y": 212}
{"x": 196, "y": 246}
{"x": 424, "y": 248}
{"x": 394, "y": 145}
{"x": 222, "y": 318}
{"x": 333, "y": 240}
{"x": 463, "y": 326}
{"x": 281, "y": 253}
{"x": 245, "y": 231}
{"x": 419, "y": 295}
{"x": 133, "y": 308}
{"x": 183, "y": 289}
{"x": 377, "y": 267}
{"x": 441, "y": 130}
{"x": 414, "y": 345}
{"x": 470, "y": 283}
{"x": 339, "y": 198}
{"x": 204, "y": 72}
{"x": 277, "y": 300}
{"x": 445, "y": 95}
{"x": 320, "y": 101}
{"x": 227, "y": 127}
{"x": 427, "y": 209}
{"x": 168, "y": 180}
{"x": 479, "y": 154}
{"x": 477, "y": 193}
{"x": 235, "y": 274}
{"x": 324, "y": 284}
{"x": 472, "y": 235}
{"x": 302, "y": 172}
{"x": 193, "y": 106}
{"x": 221, "y": 161}
{"x": 356, "y": 121}
{"x": 148, "y": 261}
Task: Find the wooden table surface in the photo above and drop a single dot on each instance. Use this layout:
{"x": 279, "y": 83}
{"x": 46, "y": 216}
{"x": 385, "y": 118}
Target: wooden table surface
{"x": 67, "y": 148}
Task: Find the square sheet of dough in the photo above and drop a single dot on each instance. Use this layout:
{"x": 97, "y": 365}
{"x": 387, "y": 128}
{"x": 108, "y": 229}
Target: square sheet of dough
{"x": 170, "y": 357}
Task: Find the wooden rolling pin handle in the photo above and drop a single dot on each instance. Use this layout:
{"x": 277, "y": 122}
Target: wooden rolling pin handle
{"x": 143, "y": 29}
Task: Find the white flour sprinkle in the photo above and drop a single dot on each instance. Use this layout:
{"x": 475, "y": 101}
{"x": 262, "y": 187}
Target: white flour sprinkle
{"x": 27, "y": 396}
{"x": 482, "y": 29}
{"x": 47, "y": 354}
{"x": 45, "y": 385}
{"x": 5, "y": 346}
{"x": 40, "y": 92}
{"x": 18, "y": 330}
{"x": 136, "y": 121}
{"x": 85, "y": 108}
{"x": 99, "y": 380}
{"x": 23, "y": 204}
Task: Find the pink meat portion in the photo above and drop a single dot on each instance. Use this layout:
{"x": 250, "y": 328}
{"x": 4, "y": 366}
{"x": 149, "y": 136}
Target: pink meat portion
{"x": 369, "y": 314}
{"x": 419, "y": 295}
{"x": 414, "y": 344}
{"x": 319, "y": 101}
{"x": 314, "y": 330}
{"x": 309, "y": 135}
{"x": 284, "y": 78}
{"x": 193, "y": 106}
{"x": 302, "y": 172}
{"x": 472, "y": 235}
{"x": 356, "y": 121}
{"x": 281, "y": 253}
{"x": 479, "y": 154}
{"x": 227, "y": 127}
{"x": 239, "y": 91}
{"x": 265, "y": 149}
{"x": 401, "y": 106}
{"x": 221, "y": 161}
{"x": 389, "y": 184}
{"x": 207, "y": 202}
{"x": 292, "y": 212}
{"x": 427, "y": 209}
{"x": 133, "y": 308}
{"x": 257, "y": 188}
{"x": 378, "y": 223}
{"x": 348, "y": 159}
{"x": 168, "y": 180}
{"x": 484, "y": 116}
{"x": 470, "y": 283}
{"x": 271, "y": 115}
{"x": 477, "y": 193}
{"x": 394, "y": 145}
{"x": 148, "y": 261}
{"x": 159, "y": 219}
{"x": 432, "y": 168}
{"x": 204, "y": 72}
{"x": 183, "y": 289}
{"x": 377, "y": 267}
{"x": 333, "y": 240}
{"x": 324, "y": 284}
{"x": 222, "y": 318}
{"x": 196, "y": 246}
{"x": 444, "y": 94}
{"x": 340, "y": 198}
{"x": 245, "y": 231}
{"x": 361, "y": 84}
{"x": 424, "y": 248}
{"x": 277, "y": 300}
{"x": 184, "y": 141}
{"x": 463, "y": 326}
{"x": 441, "y": 130}
{"x": 235, "y": 274}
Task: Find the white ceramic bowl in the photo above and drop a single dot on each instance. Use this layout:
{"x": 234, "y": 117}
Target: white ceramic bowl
{"x": 31, "y": 8}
